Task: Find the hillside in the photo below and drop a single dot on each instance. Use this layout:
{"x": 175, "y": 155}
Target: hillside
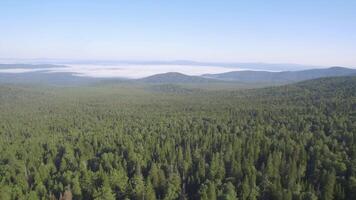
{"x": 47, "y": 74}
{"x": 175, "y": 77}
{"x": 281, "y": 77}
{"x": 125, "y": 142}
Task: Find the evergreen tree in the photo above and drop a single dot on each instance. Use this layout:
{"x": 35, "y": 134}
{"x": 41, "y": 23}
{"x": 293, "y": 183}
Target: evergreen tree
{"x": 229, "y": 192}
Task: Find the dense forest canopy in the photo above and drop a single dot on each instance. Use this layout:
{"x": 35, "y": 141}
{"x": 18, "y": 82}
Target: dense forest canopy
{"x": 116, "y": 141}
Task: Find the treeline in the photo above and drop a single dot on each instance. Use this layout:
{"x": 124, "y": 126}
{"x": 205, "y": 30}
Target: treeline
{"x": 289, "y": 143}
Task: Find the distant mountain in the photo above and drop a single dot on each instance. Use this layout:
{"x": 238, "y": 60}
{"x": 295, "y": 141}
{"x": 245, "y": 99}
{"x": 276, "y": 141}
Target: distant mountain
{"x": 175, "y": 77}
{"x": 43, "y": 77}
{"x": 237, "y": 65}
{"x": 43, "y": 74}
{"x": 28, "y": 66}
{"x": 281, "y": 77}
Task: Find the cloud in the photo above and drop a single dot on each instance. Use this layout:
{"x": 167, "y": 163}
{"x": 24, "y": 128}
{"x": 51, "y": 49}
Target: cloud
{"x": 125, "y": 71}
{"x": 20, "y": 70}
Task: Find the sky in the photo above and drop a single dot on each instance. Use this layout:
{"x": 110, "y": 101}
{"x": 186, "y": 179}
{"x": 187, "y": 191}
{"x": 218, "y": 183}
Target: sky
{"x": 317, "y": 32}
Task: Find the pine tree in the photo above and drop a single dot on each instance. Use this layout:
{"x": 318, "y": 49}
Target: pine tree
{"x": 229, "y": 192}
{"x": 76, "y": 190}
{"x": 119, "y": 181}
{"x": 138, "y": 185}
{"x": 328, "y": 182}
{"x": 211, "y": 191}
{"x": 173, "y": 187}
{"x": 150, "y": 192}
{"x": 104, "y": 193}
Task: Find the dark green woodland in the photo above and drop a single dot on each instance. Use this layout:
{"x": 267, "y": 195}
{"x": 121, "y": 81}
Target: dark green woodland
{"x": 146, "y": 141}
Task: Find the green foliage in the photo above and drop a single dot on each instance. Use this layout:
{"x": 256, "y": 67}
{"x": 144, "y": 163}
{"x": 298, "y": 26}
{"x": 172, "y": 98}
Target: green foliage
{"x": 125, "y": 142}
{"x": 229, "y": 192}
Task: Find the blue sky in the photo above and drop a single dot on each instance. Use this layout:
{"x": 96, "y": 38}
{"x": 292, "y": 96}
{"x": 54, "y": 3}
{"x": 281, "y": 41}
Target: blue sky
{"x": 306, "y": 32}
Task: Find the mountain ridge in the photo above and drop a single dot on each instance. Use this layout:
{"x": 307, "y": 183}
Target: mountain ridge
{"x": 249, "y": 76}
{"x": 174, "y": 77}
{"x": 246, "y": 77}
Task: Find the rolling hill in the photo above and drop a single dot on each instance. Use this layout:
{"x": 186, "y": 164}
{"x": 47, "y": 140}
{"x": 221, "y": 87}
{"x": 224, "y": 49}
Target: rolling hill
{"x": 175, "y": 77}
{"x": 35, "y": 74}
{"x": 281, "y": 77}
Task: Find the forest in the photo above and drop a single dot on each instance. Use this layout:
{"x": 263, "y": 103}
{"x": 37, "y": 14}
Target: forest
{"x": 145, "y": 142}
